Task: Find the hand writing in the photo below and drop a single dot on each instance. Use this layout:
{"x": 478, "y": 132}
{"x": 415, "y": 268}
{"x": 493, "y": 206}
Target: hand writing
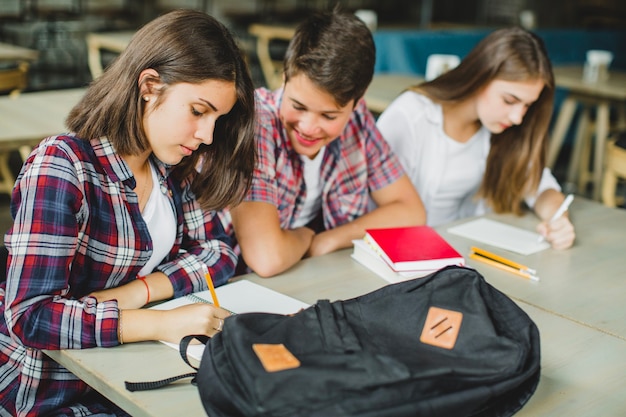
{"x": 559, "y": 233}
{"x": 192, "y": 319}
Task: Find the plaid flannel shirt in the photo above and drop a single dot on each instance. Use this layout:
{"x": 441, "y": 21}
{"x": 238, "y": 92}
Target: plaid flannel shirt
{"x": 77, "y": 229}
{"x": 355, "y": 164}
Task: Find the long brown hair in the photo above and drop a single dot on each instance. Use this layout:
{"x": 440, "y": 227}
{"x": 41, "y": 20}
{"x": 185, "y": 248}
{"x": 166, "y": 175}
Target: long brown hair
{"x": 518, "y": 154}
{"x": 182, "y": 46}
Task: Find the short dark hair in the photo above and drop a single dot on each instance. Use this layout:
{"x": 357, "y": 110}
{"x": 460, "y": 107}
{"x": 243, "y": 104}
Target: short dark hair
{"x": 336, "y": 52}
{"x": 181, "y": 46}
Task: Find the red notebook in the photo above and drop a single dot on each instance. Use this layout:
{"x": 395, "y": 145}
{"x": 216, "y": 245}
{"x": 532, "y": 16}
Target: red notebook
{"x": 413, "y": 248}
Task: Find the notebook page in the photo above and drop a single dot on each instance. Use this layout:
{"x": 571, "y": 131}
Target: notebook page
{"x": 501, "y": 235}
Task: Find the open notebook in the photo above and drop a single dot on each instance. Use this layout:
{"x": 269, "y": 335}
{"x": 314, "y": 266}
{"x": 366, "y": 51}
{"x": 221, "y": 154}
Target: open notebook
{"x": 237, "y": 297}
{"x": 501, "y": 235}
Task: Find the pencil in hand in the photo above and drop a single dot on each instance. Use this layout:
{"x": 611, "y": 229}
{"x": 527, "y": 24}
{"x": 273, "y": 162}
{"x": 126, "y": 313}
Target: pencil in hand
{"x": 209, "y": 282}
{"x": 559, "y": 212}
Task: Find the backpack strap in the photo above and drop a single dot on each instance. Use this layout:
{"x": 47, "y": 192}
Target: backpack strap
{"x": 149, "y": 385}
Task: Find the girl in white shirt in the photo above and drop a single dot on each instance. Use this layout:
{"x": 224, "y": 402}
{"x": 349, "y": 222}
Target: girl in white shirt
{"x": 474, "y": 139}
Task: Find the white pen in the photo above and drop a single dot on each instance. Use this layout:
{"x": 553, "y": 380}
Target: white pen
{"x": 562, "y": 208}
{"x": 560, "y": 211}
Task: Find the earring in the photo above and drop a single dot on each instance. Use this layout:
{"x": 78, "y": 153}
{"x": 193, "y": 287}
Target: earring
{"x": 146, "y": 98}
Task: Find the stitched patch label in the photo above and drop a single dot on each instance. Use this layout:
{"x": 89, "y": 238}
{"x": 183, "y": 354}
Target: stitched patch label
{"x": 275, "y": 358}
{"x": 441, "y": 327}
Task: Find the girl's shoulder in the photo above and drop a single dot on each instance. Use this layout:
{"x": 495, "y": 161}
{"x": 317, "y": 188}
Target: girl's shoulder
{"x": 83, "y": 157}
{"x": 414, "y": 99}
{"x": 415, "y": 107}
{"x": 66, "y": 146}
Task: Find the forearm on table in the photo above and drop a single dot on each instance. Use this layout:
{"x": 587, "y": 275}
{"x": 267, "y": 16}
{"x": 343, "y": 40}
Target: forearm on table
{"x": 272, "y": 253}
{"x": 137, "y": 325}
{"x": 548, "y": 203}
{"x": 139, "y": 292}
{"x": 395, "y": 214}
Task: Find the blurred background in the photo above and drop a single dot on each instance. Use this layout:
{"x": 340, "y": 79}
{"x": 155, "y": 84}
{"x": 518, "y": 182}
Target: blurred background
{"x": 57, "y": 28}
{"x": 44, "y": 46}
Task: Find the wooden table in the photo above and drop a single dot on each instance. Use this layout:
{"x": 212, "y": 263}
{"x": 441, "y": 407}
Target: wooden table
{"x": 111, "y": 41}
{"x": 585, "y": 283}
{"x": 600, "y": 96}
{"x": 14, "y": 63}
{"x": 27, "y": 119}
{"x": 14, "y": 53}
{"x": 384, "y": 88}
{"x": 578, "y": 307}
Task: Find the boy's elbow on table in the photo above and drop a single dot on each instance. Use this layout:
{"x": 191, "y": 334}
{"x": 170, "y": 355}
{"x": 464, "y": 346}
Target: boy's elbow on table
{"x": 268, "y": 266}
{"x": 266, "y": 260}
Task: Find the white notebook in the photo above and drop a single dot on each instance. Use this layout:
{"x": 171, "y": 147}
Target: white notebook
{"x": 501, "y": 235}
{"x": 237, "y": 297}
{"x": 366, "y": 256}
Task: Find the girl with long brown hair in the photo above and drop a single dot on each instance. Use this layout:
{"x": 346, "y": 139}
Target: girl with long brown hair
{"x": 475, "y": 138}
{"x": 119, "y": 212}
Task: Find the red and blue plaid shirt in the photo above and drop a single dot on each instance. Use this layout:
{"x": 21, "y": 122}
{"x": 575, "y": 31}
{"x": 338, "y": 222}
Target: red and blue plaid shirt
{"x": 77, "y": 229}
{"x": 355, "y": 164}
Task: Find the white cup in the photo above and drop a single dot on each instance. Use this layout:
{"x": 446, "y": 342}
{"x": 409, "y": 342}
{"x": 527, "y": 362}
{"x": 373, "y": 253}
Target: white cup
{"x": 528, "y": 19}
{"x": 437, "y": 64}
{"x": 597, "y": 66}
{"x": 369, "y": 17}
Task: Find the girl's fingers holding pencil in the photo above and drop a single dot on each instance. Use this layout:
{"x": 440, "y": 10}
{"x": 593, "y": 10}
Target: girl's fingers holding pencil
{"x": 560, "y": 233}
{"x": 197, "y": 318}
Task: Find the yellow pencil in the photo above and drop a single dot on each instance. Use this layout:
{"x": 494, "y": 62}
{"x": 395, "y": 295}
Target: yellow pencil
{"x": 209, "y": 282}
{"x": 504, "y": 267}
{"x": 500, "y": 259}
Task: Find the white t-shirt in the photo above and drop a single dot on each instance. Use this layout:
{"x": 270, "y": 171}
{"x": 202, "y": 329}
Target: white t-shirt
{"x": 313, "y": 200}
{"x": 447, "y": 174}
{"x": 161, "y": 221}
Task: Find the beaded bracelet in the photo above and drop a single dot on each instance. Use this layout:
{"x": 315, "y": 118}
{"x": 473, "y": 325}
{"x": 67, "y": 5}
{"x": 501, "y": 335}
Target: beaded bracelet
{"x": 143, "y": 279}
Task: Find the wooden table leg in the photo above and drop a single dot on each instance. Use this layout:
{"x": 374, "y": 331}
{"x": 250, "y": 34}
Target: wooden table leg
{"x": 577, "y": 159}
{"x": 562, "y": 124}
{"x": 602, "y": 132}
{"x": 94, "y": 60}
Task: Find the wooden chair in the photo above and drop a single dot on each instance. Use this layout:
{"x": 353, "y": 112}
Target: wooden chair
{"x": 614, "y": 170}
{"x": 114, "y": 42}
{"x": 271, "y": 64}
{"x": 14, "y": 80}
{"x": 580, "y": 170}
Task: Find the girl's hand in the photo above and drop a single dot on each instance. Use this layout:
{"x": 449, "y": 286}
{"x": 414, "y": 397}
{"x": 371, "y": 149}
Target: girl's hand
{"x": 204, "y": 319}
{"x": 559, "y": 233}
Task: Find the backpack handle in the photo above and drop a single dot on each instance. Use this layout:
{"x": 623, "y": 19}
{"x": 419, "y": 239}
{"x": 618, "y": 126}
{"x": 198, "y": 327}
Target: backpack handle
{"x": 184, "y": 344}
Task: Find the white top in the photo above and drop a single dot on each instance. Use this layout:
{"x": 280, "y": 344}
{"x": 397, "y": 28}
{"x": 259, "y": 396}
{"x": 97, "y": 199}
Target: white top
{"x": 446, "y": 173}
{"x": 313, "y": 199}
{"x": 161, "y": 220}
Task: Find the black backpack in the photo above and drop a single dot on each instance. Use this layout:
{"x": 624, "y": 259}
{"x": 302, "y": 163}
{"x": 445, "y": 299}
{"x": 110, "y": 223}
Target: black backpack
{"x": 448, "y": 344}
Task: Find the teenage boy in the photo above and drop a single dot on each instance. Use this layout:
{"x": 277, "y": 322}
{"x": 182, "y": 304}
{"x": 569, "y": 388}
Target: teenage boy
{"x": 324, "y": 173}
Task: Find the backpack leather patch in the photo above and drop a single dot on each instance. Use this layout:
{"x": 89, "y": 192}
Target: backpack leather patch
{"x": 275, "y": 358}
{"x": 441, "y": 327}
